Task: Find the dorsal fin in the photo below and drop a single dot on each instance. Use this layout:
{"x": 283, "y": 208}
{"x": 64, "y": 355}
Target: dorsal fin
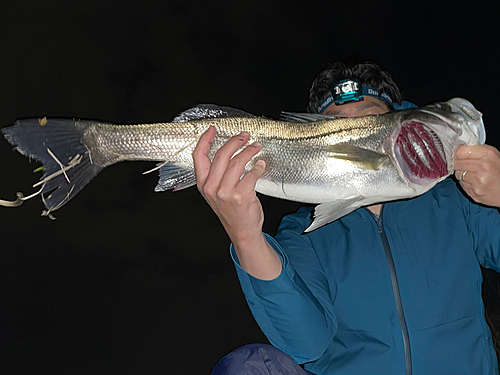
{"x": 203, "y": 111}
{"x": 303, "y": 117}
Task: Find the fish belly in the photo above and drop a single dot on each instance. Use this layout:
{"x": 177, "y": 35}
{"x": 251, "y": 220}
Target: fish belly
{"x": 370, "y": 186}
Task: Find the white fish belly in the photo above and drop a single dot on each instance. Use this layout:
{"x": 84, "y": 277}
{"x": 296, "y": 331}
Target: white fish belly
{"x": 299, "y": 192}
{"x": 373, "y": 186}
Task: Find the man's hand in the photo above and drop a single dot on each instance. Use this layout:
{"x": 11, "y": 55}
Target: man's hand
{"x": 477, "y": 168}
{"x": 235, "y": 202}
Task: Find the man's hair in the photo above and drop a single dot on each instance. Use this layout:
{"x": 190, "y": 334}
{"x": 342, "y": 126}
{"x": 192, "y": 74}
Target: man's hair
{"x": 369, "y": 73}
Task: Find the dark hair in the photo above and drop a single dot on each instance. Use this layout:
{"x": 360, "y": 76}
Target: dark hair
{"x": 369, "y": 73}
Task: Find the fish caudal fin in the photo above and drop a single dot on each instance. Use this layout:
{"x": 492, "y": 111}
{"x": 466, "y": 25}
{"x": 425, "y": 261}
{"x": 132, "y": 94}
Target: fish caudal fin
{"x": 59, "y": 145}
{"x": 325, "y": 213}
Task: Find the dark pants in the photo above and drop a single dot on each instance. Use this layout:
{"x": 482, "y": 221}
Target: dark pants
{"x": 258, "y": 359}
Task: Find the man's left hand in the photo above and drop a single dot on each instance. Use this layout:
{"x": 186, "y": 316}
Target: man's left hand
{"x": 477, "y": 168}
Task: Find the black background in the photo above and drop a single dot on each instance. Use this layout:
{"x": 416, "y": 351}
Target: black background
{"x": 135, "y": 282}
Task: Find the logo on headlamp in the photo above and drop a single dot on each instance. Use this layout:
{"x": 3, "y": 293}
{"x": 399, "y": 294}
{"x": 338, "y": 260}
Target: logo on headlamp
{"x": 348, "y": 90}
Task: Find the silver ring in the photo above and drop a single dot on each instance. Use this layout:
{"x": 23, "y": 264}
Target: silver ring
{"x": 463, "y": 175}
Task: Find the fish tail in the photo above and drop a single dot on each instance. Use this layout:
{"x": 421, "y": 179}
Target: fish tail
{"x": 59, "y": 145}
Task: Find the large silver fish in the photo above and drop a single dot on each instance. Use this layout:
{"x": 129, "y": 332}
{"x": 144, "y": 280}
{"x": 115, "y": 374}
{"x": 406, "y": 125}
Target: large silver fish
{"x": 342, "y": 164}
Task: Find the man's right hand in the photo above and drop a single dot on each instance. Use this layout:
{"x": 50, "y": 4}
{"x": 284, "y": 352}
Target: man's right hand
{"x": 234, "y": 200}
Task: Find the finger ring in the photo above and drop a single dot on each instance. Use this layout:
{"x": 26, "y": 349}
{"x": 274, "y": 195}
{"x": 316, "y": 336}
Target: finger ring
{"x": 463, "y": 175}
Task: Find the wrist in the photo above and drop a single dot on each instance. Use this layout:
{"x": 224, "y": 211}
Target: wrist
{"x": 258, "y": 258}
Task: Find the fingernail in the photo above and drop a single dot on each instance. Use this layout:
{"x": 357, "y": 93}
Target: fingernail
{"x": 260, "y": 164}
{"x": 256, "y": 144}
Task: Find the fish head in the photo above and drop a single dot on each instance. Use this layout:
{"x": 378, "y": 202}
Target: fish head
{"x": 469, "y": 120}
{"x": 424, "y": 145}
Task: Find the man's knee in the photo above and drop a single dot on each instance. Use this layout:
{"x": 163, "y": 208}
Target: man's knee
{"x": 256, "y": 359}
{"x": 240, "y": 360}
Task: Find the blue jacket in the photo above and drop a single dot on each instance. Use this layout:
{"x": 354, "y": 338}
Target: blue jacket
{"x": 399, "y": 296}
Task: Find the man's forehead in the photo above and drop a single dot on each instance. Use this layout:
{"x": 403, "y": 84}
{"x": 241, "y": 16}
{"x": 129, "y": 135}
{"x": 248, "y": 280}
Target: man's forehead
{"x": 342, "y": 110}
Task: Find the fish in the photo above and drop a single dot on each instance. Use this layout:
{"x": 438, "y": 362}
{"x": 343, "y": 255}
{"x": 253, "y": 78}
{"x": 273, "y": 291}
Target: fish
{"x": 339, "y": 164}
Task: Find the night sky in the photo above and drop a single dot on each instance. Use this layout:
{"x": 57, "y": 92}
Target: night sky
{"x": 128, "y": 281}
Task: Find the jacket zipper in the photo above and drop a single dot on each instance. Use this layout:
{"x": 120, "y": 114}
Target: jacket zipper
{"x": 396, "y": 291}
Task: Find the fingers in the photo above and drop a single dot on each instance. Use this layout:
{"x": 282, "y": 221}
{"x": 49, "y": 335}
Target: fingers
{"x": 471, "y": 177}
{"x": 235, "y": 204}
{"x": 480, "y": 162}
{"x": 237, "y": 164}
{"x": 475, "y": 152}
{"x": 250, "y": 179}
{"x": 201, "y": 161}
{"x": 466, "y": 165}
{"x": 476, "y": 161}
{"x": 218, "y": 179}
{"x": 463, "y": 152}
{"x": 468, "y": 158}
{"x": 460, "y": 175}
{"x": 221, "y": 160}
{"x": 477, "y": 168}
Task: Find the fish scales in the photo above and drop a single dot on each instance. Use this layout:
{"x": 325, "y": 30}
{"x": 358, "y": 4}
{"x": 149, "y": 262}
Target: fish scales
{"x": 111, "y": 143}
{"x": 301, "y": 147}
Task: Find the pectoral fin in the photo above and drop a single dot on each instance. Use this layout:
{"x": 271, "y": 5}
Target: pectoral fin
{"x": 363, "y": 157}
{"x": 325, "y": 213}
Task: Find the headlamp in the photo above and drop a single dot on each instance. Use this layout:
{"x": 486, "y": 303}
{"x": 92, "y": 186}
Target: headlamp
{"x": 349, "y": 91}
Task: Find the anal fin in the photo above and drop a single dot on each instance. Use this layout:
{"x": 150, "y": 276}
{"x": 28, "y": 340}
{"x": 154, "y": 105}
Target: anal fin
{"x": 175, "y": 177}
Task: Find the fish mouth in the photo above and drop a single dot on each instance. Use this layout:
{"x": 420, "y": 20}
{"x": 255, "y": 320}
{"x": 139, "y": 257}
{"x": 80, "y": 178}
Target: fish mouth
{"x": 420, "y": 152}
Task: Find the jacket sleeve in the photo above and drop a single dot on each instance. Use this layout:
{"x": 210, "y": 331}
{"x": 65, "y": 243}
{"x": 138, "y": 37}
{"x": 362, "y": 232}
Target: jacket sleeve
{"x": 484, "y": 226}
{"x": 295, "y": 310}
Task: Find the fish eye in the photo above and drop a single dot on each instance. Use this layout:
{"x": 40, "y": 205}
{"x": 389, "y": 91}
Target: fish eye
{"x": 444, "y": 106}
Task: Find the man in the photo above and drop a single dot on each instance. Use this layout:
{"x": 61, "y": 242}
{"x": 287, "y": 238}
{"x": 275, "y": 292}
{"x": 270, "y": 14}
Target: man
{"x": 387, "y": 289}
